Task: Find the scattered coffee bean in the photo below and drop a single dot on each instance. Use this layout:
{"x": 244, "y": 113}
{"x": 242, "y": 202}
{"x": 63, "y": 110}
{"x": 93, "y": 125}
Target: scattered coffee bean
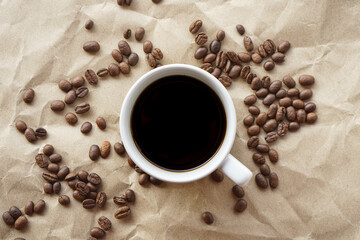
{"x": 82, "y": 188}
{"x": 124, "y": 48}
{"x": 273, "y": 155}
{"x": 133, "y": 59}
{"x": 57, "y": 187}
{"x": 21, "y": 126}
{"x": 278, "y": 57}
{"x": 151, "y": 60}
{"x": 130, "y": 195}
{"x": 64, "y": 200}
{"x": 113, "y": 69}
{"x": 281, "y": 93}
{"x": 253, "y": 142}
{"x": 50, "y": 177}
{"x": 298, "y": 103}
{"x": 127, "y": 33}
{"x": 155, "y": 181}
{"x": 209, "y": 58}
{"x": 39, "y": 206}
{"x": 284, "y": 46}
{"x": 207, "y": 67}
{"x": 77, "y": 81}
{"x": 220, "y": 35}
{"x": 280, "y": 114}
{"x": 273, "y": 180}
{"x": 105, "y": 149}
{"x": 269, "y": 46}
{"x": 95, "y": 231}
{"x": 116, "y": 54}
{"x": 48, "y": 149}
{"x": 240, "y": 205}
{"x": 124, "y": 68}
{"x": 306, "y": 80}
{"x": 42, "y": 160}
{"x": 275, "y": 86}
{"x": 263, "y": 148}
{"x": 158, "y": 55}
{"x": 265, "y": 169}
{"x": 20, "y": 223}
{"x": 122, "y": 212}
{"x": 301, "y": 115}
{"x": 101, "y": 123}
{"x": 293, "y": 92}
{"x": 120, "y": 199}
{"x": 88, "y": 203}
{"x": 215, "y": 46}
{"x": 248, "y": 120}
{"x": 91, "y": 77}
{"x": 269, "y": 99}
{"x": 148, "y": 46}
{"x": 8, "y": 219}
{"x": 311, "y": 117}
{"x": 294, "y": 126}
{"x": 238, "y": 191}
{"x": 82, "y": 108}
{"x": 70, "y": 176}
{"x": 28, "y": 95}
{"x": 53, "y": 168}
{"x": 262, "y": 92}
{"x": 70, "y": 97}
{"x": 244, "y": 57}
{"x": 245, "y": 71}
{"x": 65, "y": 85}
{"x": 310, "y": 107}
{"x": 89, "y": 24}
{"x": 82, "y": 175}
{"x": 40, "y": 132}
{"x": 101, "y": 199}
{"x": 207, "y": 217}
{"x": 253, "y": 130}
{"x": 102, "y": 72}
{"x": 217, "y": 176}
{"x": 285, "y": 102}
{"x": 282, "y": 129}
{"x": 57, "y": 105}
{"x": 261, "y": 181}
{"x": 119, "y": 148}
{"x": 82, "y": 92}
{"x": 30, "y": 135}
{"x": 291, "y": 113}
{"x": 55, "y": 158}
{"x": 250, "y": 77}
{"x": 256, "y": 58}
{"x": 139, "y": 170}
{"x": 289, "y": 81}
{"x": 139, "y": 33}
{"x": 258, "y": 158}
{"x": 131, "y": 162}
{"x": 271, "y": 137}
{"x": 63, "y": 172}
{"x": 273, "y": 108}
{"x": 305, "y": 94}
{"x": 104, "y": 223}
{"x": 248, "y": 44}
{"x": 94, "y": 178}
{"x": 86, "y": 127}
{"x": 201, "y": 38}
{"x": 240, "y": 28}
{"x": 262, "y": 51}
{"x": 77, "y": 196}
{"x": 254, "y": 110}
{"x": 29, "y": 208}
{"x": 92, "y": 195}
{"x": 94, "y": 152}
{"x": 256, "y": 83}
{"x": 261, "y": 119}
{"x": 269, "y": 65}
{"x": 235, "y": 71}
{"x": 250, "y": 100}
{"x": 195, "y": 26}
{"x": 266, "y": 81}
{"x": 143, "y": 179}
{"x": 91, "y": 46}
{"x": 216, "y": 73}
{"x": 15, "y": 212}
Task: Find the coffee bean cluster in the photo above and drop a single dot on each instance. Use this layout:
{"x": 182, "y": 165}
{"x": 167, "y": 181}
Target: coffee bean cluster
{"x": 105, "y": 225}
{"x": 123, "y": 201}
{"x": 153, "y": 55}
{"x": 29, "y": 133}
{"x": 144, "y": 178}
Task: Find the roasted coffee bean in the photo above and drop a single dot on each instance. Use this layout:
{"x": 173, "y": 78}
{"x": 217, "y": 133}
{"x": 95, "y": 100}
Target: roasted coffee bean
{"x": 131, "y": 162}
{"x": 262, "y": 51}
{"x": 8, "y": 219}
{"x": 139, "y": 33}
{"x": 15, "y": 212}
{"x": 207, "y": 217}
{"x": 94, "y": 178}
{"x": 82, "y": 175}
{"x": 272, "y": 110}
{"x": 116, "y": 54}
{"x": 282, "y": 129}
{"x": 82, "y": 92}
{"x": 311, "y": 117}
{"x": 281, "y": 93}
{"x": 130, "y": 195}
{"x": 253, "y": 142}
{"x": 89, "y": 24}
{"x": 101, "y": 123}
{"x": 64, "y": 200}
{"x": 275, "y": 86}
{"x": 77, "y": 196}
{"x": 113, "y": 69}
{"x": 294, "y": 126}
{"x": 124, "y": 48}
{"x": 39, "y": 206}
{"x": 88, "y": 203}
{"x": 195, "y": 26}
{"x": 209, "y": 58}
{"x": 216, "y": 73}
{"x": 64, "y": 170}
{"x": 122, "y": 212}
{"x": 124, "y": 68}
{"x": 273, "y": 155}
{"x": 248, "y": 44}
{"x": 55, "y": 158}
{"x": 250, "y": 100}
{"x": 253, "y": 130}
{"x": 284, "y": 46}
{"x": 244, "y": 57}
{"x": 261, "y": 119}
{"x": 104, "y": 223}
{"x": 50, "y": 177}
{"x": 77, "y": 81}
{"x": 273, "y": 180}
{"x": 120, "y": 199}
{"x": 269, "y": 46}
{"x": 200, "y": 53}
{"x": 201, "y": 38}
{"x": 269, "y": 65}
{"x": 261, "y": 93}
{"x": 127, "y": 33}
{"x": 158, "y": 55}
{"x": 57, "y": 105}
{"x": 65, "y": 85}
{"x": 155, "y": 181}
{"x": 217, "y": 176}
{"x": 298, "y": 103}
{"x": 91, "y": 46}
{"x": 151, "y": 60}
{"x": 95, "y": 231}
{"x": 86, "y": 127}
{"x": 240, "y": 28}
{"x": 310, "y": 107}
{"x": 105, "y": 149}
{"x": 71, "y": 176}
{"x": 91, "y": 195}
{"x": 250, "y": 77}
{"x": 293, "y": 92}
{"x": 291, "y": 113}
{"x": 82, "y": 108}
{"x": 269, "y": 99}
{"x": 228, "y": 66}
{"x": 285, "y": 102}
{"x": 289, "y": 81}
{"x": 254, "y": 110}
{"x": 256, "y": 83}
{"x": 220, "y": 35}
{"x": 94, "y": 152}
{"x": 119, "y": 148}
{"x": 265, "y": 169}
{"x": 238, "y": 191}
{"x": 261, "y": 181}
{"x": 42, "y": 160}
{"x": 133, "y": 59}
{"x": 240, "y": 205}
{"x": 270, "y": 125}
{"x": 256, "y": 58}
{"x": 143, "y": 179}
{"x": 72, "y": 184}
{"x": 221, "y": 59}
{"x": 48, "y": 149}
{"x": 82, "y": 188}
{"x": 29, "y": 208}
{"x": 207, "y": 67}
{"x": 278, "y": 57}
{"x": 148, "y": 46}
{"x": 266, "y": 81}
{"x": 306, "y": 80}
{"x": 30, "y": 135}
{"x": 70, "y": 97}
{"x": 28, "y": 95}
{"x": 305, "y": 94}
{"x": 248, "y": 120}
{"x": 138, "y": 170}
{"x": 233, "y": 57}
{"x": 280, "y": 114}
{"x": 101, "y": 199}
{"x": 57, "y": 187}
{"x": 301, "y": 115}
{"x": 53, "y": 168}
{"x": 263, "y": 148}
{"x": 225, "y": 80}
{"x": 271, "y": 137}
{"x": 245, "y": 71}
{"x": 20, "y": 223}
{"x": 215, "y": 46}
{"x": 21, "y": 126}
{"x": 235, "y": 71}
{"x": 258, "y": 158}
{"x": 40, "y": 132}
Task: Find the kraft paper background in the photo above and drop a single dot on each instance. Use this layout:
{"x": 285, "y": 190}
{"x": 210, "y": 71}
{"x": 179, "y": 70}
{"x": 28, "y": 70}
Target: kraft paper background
{"x": 319, "y": 191}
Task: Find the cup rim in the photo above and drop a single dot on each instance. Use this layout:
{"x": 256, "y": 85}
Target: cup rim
{"x": 125, "y": 117}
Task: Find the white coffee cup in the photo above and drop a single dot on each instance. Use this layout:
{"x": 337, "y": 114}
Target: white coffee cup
{"x": 232, "y": 167}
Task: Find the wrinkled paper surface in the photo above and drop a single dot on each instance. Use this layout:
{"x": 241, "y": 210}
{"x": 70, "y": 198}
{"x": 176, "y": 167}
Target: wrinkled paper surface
{"x": 319, "y": 191}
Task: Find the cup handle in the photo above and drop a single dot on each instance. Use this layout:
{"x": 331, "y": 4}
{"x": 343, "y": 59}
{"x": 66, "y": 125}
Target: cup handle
{"x": 235, "y": 170}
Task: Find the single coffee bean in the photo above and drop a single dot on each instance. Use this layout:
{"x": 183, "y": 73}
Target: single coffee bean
{"x": 256, "y": 83}
{"x": 280, "y": 114}
{"x": 238, "y": 191}
{"x": 228, "y": 66}
{"x": 284, "y": 46}
{"x": 266, "y": 81}
{"x": 240, "y": 205}
{"x": 124, "y": 68}
{"x": 209, "y": 58}
{"x": 262, "y": 92}
{"x": 133, "y": 59}
{"x": 311, "y": 117}
{"x": 273, "y": 180}
{"x": 289, "y": 81}
{"x": 139, "y": 170}
{"x": 113, "y": 69}
{"x": 42, "y": 160}
{"x": 281, "y": 93}
{"x": 55, "y": 158}
{"x": 248, "y": 120}
{"x": 269, "y": 46}
{"x": 20, "y": 223}
{"x": 130, "y": 195}
{"x": 29, "y": 208}
{"x": 124, "y": 48}
{"x": 64, "y": 200}
{"x": 72, "y": 183}
{"x": 265, "y": 169}
{"x": 64, "y": 170}
{"x": 28, "y": 95}
{"x": 82, "y": 188}
{"x": 254, "y": 110}
{"x": 271, "y": 137}
{"x": 195, "y": 26}
{"x": 155, "y": 181}
{"x": 253, "y": 130}
{"x": 293, "y": 92}
{"x": 40, "y": 132}
{"x": 8, "y": 219}
{"x": 207, "y": 67}
{"x": 15, "y": 212}
{"x": 48, "y": 149}
{"x": 235, "y": 71}
{"x": 57, "y": 105}
{"x": 200, "y": 53}
{"x": 131, "y": 162}
{"x": 273, "y": 108}
{"x": 53, "y": 168}
{"x": 240, "y": 28}
{"x": 148, "y": 46}
{"x": 221, "y": 59}
{"x": 119, "y": 148}
{"x": 50, "y": 177}
{"x": 263, "y": 148}
{"x": 285, "y": 102}
{"x": 220, "y": 35}
{"x": 310, "y": 107}
{"x": 105, "y": 149}
{"x": 139, "y": 33}
{"x": 245, "y": 71}
{"x": 225, "y": 80}
{"x": 201, "y": 38}
{"x": 151, "y": 60}
{"x": 261, "y": 119}
{"x": 215, "y": 46}
{"x": 82, "y": 92}
{"x": 116, "y": 54}
{"x": 275, "y": 86}
{"x": 207, "y": 217}
{"x": 70, "y": 97}
{"x": 88, "y": 203}
{"x": 101, "y": 199}
{"x": 258, "y": 158}
{"x": 273, "y": 155}
{"x": 158, "y": 55}
{"x": 65, "y": 85}
{"x": 250, "y": 100}
{"x": 97, "y": 232}
{"x": 216, "y": 73}
{"x": 294, "y": 126}
{"x": 291, "y": 113}
{"x": 122, "y": 212}
{"x": 269, "y": 65}
{"x": 248, "y": 44}
{"x": 57, "y": 187}
{"x": 91, "y": 77}
{"x": 102, "y": 72}
{"x": 104, "y": 223}
{"x": 306, "y": 80}
{"x": 253, "y": 142}
{"x": 256, "y": 58}
{"x": 127, "y": 33}
{"x": 269, "y": 99}
{"x": 261, "y": 181}
{"x": 92, "y": 195}
{"x": 244, "y": 57}
{"x": 71, "y": 176}
{"x": 301, "y": 115}
{"x": 282, "y": 129}
{"x": 89, "y": 24}
{"x": 305, "y": 94}
{"x": 278, "y": 57}
{"x": 217, "y": 176}
{"x": 101, "y": 123}
{"x": 39, "y": 206}
{"x": 21, "y": 126}
{"x": 298, "y": 104}
{"x": 94, "y": 178}
{"x": 77, "y": 81}
{"x": 120, "y": 199}
{"x": 82, "y": 108}
{"x": 82, "y": 175}
{"x": 250, "y": 77}
{"x": 94, "y": 152}
{"x": 30, "y": 135}
{"x": 262, "y": 51}
{"x": 77, "y": 196}
{"x": 91, "y": 46}
{"x": 143, "y": 179}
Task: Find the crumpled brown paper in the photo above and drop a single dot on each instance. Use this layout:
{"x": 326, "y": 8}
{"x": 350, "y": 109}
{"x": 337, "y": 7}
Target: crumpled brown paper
{"x": 318, "y": 196}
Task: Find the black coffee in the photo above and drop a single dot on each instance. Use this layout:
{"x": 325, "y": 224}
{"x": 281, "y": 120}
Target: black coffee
{"x": 178, "y": 122}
